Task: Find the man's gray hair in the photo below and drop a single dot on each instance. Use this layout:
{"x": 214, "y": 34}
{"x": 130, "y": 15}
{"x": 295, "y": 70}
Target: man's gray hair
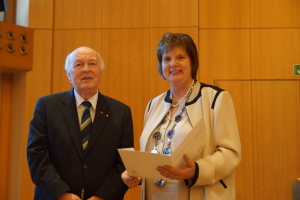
{"x": 70, "y": 60}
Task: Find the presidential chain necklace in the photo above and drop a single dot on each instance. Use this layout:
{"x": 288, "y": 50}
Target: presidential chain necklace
{"x": 185, "y": 96}
{"x": 157, "y": 135}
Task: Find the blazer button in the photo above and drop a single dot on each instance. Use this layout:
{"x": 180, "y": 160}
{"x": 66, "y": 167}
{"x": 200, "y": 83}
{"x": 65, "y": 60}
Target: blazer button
{"x": 85, "y": 166}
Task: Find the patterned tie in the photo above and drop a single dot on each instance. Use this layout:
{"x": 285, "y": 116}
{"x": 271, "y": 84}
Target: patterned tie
{"x": 86, "y": 124}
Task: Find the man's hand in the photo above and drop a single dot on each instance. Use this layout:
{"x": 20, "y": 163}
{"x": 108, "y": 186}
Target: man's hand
{"x": 68, "y": 196}
{"x": 130, "y": 181}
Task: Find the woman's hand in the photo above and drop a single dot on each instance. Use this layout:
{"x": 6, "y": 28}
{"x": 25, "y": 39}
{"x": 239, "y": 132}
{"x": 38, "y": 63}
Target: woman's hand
{"x": 130, "y": 181}
{"x": 188, "y": 172}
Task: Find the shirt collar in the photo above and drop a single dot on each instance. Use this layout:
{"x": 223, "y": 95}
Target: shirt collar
{"x": 92, "y": 100}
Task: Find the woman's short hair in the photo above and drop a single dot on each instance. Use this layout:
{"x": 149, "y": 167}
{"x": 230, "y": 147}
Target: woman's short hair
{"x": 171, "y": 40}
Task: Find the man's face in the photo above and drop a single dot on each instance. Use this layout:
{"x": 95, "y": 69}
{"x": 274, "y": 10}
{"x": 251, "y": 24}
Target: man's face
{"x": 85, "y": 72}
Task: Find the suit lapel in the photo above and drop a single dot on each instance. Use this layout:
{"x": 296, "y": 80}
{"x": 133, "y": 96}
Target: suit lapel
{"x": 102, "y": 114}
{"x": 70, "y": 114}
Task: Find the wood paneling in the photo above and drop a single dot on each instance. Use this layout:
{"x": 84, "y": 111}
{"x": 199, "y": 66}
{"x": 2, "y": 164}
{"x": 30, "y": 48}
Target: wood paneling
{"x": 125, "y": 14}
{"x": 233, "y": 55}
{"x": 240, "y": 92}
{"x": 173, "y": 13}
{"x": 16, "y": 53}
{"x": 274, "y": 14}
{"x": 126, "y": 77}
{"x": 38, "y": 83}
{"x": 40, "y": 14}
{"x": 224, "y": 54}
{"x": 276, "y": 113}
{"x": 27, "y": 87}
{"x": 5, "y": 130}
{"x": 17, "y": 135}
{"x": 224, "y": 14}
{"x": 133, "y": 194}
{"x": 273, "y": 53}
{"x": 158, "y": 84}
{"x": 78, "y": 14}
{"x": 65, "y": 41}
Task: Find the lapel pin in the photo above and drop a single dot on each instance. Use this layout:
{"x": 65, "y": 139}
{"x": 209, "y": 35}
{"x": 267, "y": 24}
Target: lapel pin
{"x": 106, "y": 115}
{"x": 101, "y": 112}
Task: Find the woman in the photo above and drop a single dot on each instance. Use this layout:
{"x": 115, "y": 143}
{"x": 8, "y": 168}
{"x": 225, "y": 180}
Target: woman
{"x": 171, "y": 116}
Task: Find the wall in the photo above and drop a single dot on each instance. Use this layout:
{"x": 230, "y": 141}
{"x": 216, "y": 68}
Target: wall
{"x": 245, "y": 47}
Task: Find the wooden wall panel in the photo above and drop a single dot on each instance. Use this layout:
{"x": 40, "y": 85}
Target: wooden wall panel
{"x": 224, "y": 14}
{"x": 39, "y": 79}
{"x": 5, "y": 130}
{"x": 126, "y": 33}
{"x": 158, "y": 84}
{"x": 65, "y": 41}
{"x": 40, "y": 14}
{"x": 41, "y": 73}
{"x": 274, "y": 14}
{"x": 240, "y": 92}
{"x": 224, "y": 54}
{"x": 126, "y": 77}
{"x": 273, "y": 53}
{"x": 173, "y": 13}
{"x": 78, "y": 14}
{"x": 125, "y": 14}
{"x": 17, "y": 135}
{"x": 27, "y": 87}
{"x": 276, "y": 113}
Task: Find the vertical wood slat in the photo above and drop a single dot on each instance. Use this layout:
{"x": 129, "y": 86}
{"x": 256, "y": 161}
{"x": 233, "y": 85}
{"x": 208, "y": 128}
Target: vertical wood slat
{"x": 18, "y": 134}
{"x": 276, "y": 113}
{"x": 5, "y": 131}
{"x": 38, "y": 83}
{"x": 126, "y": 77}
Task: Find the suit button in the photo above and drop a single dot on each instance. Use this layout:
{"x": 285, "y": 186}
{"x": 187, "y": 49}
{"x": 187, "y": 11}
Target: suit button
{"x": 85, "y": 166}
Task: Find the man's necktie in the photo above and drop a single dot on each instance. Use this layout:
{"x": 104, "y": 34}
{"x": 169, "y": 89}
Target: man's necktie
{"x": 86, "y": 124}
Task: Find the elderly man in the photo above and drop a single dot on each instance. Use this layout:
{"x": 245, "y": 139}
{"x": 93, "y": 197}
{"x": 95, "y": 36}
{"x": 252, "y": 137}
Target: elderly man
{"x": 74, "y": 136}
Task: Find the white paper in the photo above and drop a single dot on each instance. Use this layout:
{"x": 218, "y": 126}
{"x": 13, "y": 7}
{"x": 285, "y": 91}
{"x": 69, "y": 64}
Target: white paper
{"x": 144, "y": 164}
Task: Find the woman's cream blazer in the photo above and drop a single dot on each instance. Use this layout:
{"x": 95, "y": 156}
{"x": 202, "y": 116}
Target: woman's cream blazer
{"x": 222, "y": 152}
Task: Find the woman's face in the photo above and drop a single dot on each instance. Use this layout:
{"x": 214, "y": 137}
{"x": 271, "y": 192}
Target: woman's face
{"x": 176, "y": 66}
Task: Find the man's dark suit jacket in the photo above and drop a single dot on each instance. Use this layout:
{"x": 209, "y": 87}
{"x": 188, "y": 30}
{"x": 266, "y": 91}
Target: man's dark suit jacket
{"x": 55, "y": 156}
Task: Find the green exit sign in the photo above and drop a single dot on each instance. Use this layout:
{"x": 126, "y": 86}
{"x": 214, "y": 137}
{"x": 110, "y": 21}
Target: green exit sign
{"x": 296, "y": 70}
